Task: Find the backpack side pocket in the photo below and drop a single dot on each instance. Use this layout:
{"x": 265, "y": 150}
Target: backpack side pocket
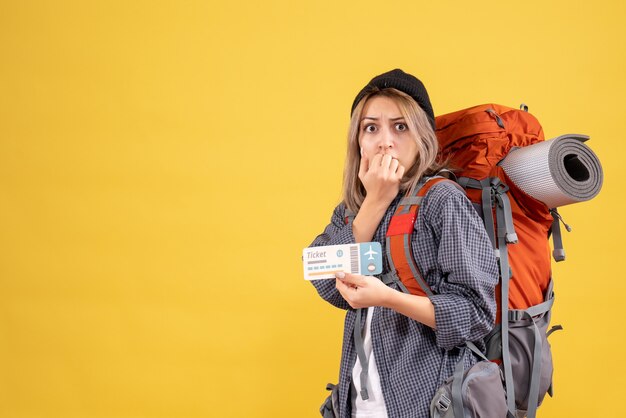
{"x": 530, "y": 354}
{"x": 477, "y": 392}
{"x": 531, "y": 360}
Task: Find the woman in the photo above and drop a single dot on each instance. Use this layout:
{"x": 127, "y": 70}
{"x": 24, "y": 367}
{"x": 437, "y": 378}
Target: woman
{"x": 410, "y": 343}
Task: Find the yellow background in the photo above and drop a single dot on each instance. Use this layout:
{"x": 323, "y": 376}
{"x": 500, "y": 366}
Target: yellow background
{"x": 163, "y": 163}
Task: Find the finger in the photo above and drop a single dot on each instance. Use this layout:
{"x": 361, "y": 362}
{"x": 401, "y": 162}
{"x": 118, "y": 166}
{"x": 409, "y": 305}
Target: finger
{"x": 386, "y": 161}
{"x": 351, "y": 279}
{"x": 341, "y": 286}
{"x": 364, "y": 165}
{"x": 393, "y": 166}
{"x": 400, "y": 171}
{"x": 341, "y": 277}
{"x": 375, "y": 161}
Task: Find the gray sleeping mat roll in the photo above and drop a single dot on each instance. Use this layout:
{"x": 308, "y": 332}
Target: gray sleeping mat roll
{"x": 557, "y": 172}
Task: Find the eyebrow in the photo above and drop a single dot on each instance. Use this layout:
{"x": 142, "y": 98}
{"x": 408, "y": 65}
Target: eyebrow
{"x": 374, "y": 118}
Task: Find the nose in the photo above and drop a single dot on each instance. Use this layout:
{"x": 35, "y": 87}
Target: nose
{"x": 385, "y": 140}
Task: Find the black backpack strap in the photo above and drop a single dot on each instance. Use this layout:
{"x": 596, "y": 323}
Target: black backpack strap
{"x": 359, "y": 324}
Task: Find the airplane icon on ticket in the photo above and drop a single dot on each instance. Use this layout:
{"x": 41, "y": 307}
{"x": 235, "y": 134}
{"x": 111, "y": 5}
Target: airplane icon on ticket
{"x": 371, "y": 253}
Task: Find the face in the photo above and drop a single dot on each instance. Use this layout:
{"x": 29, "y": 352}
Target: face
{"x": 383, "y": 130}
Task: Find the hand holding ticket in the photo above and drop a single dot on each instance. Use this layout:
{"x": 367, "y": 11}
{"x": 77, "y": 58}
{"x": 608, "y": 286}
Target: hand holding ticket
{"x": 360, "y": 258}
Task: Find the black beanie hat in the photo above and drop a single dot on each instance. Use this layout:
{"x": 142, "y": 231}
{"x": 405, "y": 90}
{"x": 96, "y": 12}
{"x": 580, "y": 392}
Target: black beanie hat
{"x": 404, "y": 82}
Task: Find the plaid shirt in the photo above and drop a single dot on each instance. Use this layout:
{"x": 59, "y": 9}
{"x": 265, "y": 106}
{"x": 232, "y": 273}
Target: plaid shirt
{"x": 455, "y": 257}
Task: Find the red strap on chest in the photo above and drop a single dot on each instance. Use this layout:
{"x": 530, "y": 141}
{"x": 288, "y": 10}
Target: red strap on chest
{"x": 403, "y": 223}
{"x": 399, "y": 250}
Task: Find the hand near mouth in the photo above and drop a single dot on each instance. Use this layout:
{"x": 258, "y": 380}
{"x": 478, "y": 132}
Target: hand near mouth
{"x": 381, "y": 178}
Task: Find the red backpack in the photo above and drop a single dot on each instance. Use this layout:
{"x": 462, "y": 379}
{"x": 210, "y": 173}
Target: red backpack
{"x": 474, "y": 141}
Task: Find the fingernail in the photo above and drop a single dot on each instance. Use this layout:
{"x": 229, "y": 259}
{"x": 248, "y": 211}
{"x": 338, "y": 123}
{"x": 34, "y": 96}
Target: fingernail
{"x": 340, "y": 275}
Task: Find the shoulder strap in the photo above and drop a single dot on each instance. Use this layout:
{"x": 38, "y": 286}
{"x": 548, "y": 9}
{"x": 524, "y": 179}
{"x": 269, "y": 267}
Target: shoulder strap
{"x": 399, "y": 252}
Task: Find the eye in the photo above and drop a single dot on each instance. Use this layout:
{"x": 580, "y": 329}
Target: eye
{"x": 369, "y": 128}
{"x": 401, "y": 127}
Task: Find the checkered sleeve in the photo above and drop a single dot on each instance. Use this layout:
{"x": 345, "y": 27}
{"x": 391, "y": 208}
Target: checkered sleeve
{"x": 337, "y": 232}
{"x": 464, "y": 302}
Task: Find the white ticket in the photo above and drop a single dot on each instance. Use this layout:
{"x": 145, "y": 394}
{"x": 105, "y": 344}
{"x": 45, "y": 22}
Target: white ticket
{"x": 323, "y": 262}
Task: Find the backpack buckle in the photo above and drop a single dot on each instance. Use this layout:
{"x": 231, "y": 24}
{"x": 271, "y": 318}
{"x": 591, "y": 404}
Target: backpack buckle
{"x": 515, "y": 316}
{"x": 389, "y": 277}
{"x": 498, "y": 187}
{"x": 443, "y": 403}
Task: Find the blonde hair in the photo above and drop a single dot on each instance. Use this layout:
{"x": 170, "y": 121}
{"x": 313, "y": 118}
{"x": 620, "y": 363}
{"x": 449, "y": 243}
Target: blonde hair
{"x": 423, "y": 133}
